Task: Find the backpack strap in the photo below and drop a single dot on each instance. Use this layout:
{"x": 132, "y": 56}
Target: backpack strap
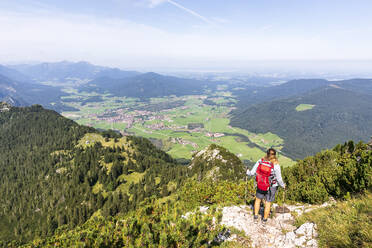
{"x": 263, "y": 160}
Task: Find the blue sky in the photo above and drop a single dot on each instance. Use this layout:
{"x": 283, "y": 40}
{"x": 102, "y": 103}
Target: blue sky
{"x": 180, "y": 33}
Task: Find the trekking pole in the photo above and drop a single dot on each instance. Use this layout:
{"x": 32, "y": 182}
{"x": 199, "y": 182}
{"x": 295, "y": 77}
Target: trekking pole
{"x": 283, "y": 200}
{"x": 245, "y": 188}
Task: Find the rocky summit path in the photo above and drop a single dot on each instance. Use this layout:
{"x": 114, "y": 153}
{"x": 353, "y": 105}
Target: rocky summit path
{"x": 279, "y": 231}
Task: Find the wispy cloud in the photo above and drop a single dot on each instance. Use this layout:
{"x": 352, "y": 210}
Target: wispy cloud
{"x": 203, "y": 18}
{"x": 267, "y": 27}
{"x": 154, "y": 3}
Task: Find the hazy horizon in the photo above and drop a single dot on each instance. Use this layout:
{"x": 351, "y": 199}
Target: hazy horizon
{"x": 344, "y": 69}
{"x": 178, "y": 35}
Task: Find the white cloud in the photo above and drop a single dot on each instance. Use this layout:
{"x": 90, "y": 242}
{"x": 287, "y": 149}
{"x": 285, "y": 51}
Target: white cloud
{"x": 58, "y": 36}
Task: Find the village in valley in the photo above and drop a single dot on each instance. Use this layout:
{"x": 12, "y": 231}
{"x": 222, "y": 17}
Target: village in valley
{"x": 179, "y": 125}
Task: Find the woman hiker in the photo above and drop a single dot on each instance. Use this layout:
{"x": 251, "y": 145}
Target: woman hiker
{"x": 268, "y": 176}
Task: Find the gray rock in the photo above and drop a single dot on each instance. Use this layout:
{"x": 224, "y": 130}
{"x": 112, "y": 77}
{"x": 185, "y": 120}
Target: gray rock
{"x": 271, "y": 234}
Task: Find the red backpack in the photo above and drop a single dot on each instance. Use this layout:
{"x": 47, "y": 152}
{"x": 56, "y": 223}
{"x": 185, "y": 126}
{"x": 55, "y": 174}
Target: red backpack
{"x": 263, "y": 173}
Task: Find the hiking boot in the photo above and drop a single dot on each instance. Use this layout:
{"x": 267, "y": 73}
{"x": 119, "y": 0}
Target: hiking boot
{"x": 255, "y": 219}
{"x": 264, "y": 222}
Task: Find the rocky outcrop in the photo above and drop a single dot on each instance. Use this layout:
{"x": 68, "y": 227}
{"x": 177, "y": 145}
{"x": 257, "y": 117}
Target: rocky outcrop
{"x": 279, "y": 231}
{"x": 370, "y": 144}
{"x": 208, "y": 154}
{"x": 217, "y": 163}
{"x": 4, "y": 106}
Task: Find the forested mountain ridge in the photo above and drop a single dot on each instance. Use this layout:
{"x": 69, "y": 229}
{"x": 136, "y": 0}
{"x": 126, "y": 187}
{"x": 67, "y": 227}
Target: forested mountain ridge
{"x": 359, "y": 85}
{"x": 54, "y": 172}
{"x": 66, "y": 185}
{"x": 56, "y": 175}
{"x": 255, "y": 95}
{"x": 193, "y": 218}
{"x": 147, "y": 85}
{"x": 28, "y": 136}
{"x": 317, "y": 119}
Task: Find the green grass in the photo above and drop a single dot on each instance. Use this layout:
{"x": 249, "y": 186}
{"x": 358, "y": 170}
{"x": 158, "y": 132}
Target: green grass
{"x": 91, "y": 138}
{"x": 181, "y": 151}
{"x": 94, "y": 137}
{"x": 134, "y": 177}
{"x": 248, "y": 153}
{"x": 303, "y": 107}
{"x": 346, "y": 224}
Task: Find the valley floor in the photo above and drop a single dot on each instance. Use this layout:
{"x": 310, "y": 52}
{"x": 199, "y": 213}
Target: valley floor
{"x": 179, "y": 125}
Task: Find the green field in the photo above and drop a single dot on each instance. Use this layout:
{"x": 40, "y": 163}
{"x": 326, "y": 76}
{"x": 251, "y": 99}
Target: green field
{"x": 168, "y": 123}
{"x": 303, "y": 107}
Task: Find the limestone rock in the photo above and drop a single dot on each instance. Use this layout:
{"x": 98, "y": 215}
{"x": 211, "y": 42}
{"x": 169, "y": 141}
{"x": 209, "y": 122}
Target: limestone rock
{"x": 277, "y": 232}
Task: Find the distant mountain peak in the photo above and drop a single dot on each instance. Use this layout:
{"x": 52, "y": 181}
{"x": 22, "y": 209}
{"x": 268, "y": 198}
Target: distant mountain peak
{"x": 83, "y": 63}
{"x": 150, "y": 74}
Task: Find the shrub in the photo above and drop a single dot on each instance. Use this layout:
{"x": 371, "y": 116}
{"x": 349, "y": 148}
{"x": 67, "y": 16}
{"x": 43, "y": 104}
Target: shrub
{"x": 151, "y": 225}
{"x": 208, "y": 192}
{"x": 345, "y": 169}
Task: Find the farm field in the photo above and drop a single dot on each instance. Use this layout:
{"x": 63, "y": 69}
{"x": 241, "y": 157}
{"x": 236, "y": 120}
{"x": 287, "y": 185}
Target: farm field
{"x": 178, "y": 125}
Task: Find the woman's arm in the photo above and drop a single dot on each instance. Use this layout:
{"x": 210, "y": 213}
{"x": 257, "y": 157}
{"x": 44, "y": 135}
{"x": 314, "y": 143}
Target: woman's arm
{"x": 254, "y": 169}
{"x": 278, "y": 175}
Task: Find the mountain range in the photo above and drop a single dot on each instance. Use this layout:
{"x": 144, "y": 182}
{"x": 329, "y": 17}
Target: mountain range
{"x": 147, "y": 85}
{"x": 61, "y": 71}
{"x": 20, "y": 93}
{"x": 25, "y": 84}
{"x": 336, "y": 110}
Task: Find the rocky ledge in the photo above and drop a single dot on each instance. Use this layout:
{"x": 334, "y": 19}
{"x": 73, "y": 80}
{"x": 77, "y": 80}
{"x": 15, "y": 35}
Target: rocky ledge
{"x": 279, "y": 231}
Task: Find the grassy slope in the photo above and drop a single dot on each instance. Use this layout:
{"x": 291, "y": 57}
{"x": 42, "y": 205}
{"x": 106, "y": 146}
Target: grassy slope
{"x": 346, "y": 224}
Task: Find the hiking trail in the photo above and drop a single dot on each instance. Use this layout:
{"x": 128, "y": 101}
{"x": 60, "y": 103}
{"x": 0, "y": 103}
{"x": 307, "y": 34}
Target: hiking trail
{"x": 279, "y": 231}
